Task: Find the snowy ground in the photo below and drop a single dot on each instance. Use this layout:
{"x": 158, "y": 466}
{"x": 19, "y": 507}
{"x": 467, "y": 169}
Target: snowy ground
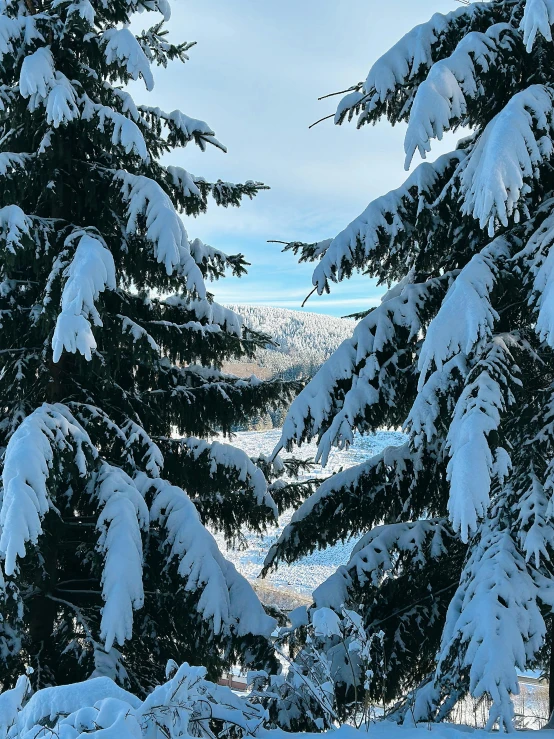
{"x": 309, "y": 572}
{"x": 388, "y": 730}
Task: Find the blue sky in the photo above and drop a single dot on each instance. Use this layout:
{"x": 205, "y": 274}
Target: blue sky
{"x": 255, "y": 76}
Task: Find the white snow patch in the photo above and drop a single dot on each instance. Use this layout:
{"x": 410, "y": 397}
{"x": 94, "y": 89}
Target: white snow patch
{"x": 92, "y": 270}
{"x": 309, "y": 572}
{"x": 123, "y": 47}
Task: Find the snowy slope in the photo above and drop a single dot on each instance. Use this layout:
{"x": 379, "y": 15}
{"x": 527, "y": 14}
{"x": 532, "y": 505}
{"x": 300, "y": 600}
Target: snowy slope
{"x": 390, "y": 730}
{"x": 305, "y": 575}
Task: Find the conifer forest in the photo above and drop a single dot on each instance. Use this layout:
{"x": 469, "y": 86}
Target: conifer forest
{"x": 273, "y": 462}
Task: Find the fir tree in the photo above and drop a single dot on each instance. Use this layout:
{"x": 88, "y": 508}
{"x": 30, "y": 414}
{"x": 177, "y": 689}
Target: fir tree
{"x": 454, "y": 562}
{"x": 110, "y": 354}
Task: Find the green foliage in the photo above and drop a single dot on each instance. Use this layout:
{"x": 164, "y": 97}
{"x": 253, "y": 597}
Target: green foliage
{"x": 139, "y": 368}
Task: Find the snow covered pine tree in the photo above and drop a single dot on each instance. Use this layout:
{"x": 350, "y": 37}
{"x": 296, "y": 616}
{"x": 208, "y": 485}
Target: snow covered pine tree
{"x": 455, "y": 559}
{"x": 107, "y": 568}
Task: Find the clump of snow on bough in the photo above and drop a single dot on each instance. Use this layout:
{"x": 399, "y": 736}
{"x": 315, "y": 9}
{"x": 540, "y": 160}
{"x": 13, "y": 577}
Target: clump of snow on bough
{"x": 186, "y": 705}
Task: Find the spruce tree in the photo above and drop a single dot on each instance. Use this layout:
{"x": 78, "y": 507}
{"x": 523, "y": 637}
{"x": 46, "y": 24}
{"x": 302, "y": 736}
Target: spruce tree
{"x": 454, "y": 559}
{"x": 111, "y": 350}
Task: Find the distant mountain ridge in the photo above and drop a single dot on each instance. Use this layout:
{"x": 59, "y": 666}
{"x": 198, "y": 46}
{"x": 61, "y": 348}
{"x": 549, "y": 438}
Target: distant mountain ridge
{"x": 305, "y": 340}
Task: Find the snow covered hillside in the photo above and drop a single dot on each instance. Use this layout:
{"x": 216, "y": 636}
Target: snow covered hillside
{"x": 305, "y": 340}
{"x": 303, "y": 576}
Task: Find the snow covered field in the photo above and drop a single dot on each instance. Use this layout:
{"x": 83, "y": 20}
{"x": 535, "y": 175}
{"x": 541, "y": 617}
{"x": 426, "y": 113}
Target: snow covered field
{"x": 309, "y": 572}
{"x": 388, "y": 730}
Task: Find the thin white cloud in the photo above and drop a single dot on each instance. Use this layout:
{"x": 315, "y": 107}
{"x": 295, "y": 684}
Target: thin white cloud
{"x": 255, "y": 77}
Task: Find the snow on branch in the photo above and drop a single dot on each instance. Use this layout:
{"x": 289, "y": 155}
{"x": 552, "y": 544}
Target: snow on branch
{"x": 535, "y": 533}
{"x": 192, "y": 129}
{"x": 125, "y": 133}
{"x": 538, "y": 257}
{"x": 192, "y": 693}
{"x": 14, "y": 30}
{"x": 376, "y": 552}
{"x": 364, "y": 484}
{"x": 466, "y": 317}
{"x": 495, "y": 581}
{"x": 183, "y": 129}
{"x": 121, "y": 47}
{"x": 82, "y": 8}
{"x": 186, "y": 705}
{"x": 164, "y": 228}
{"x": 42, "y": 84}
{"x": 137, "y": 439}
{"x": 15, "y": 225}
{"x": 54, "y": 704}
{"x": 378, "y": 347}
{"x": 140, "y": 452}
{"x": 538, "y": 17}
{"x": 138, "y": 332}
{"x": 425, "y": 417}
{"x": 226, "y": 597}
{"x": 124, "y": 514}
{"x": 401, "y": 65}
{"x": 10, "y": 162}
{"x": 11, "y": 703}
{"x": 29, "y": 460}
{"x": 61, "y": 104}
{"x": 442, "y": 98}
{"x": 509, "y": 152}
{"x": 88, "y": 415}
{"x": 91, "y": 271}
{"x": 162, "y": 6}
{"x": 211, "y": 312}
{"x": 231, "y": 458}
{"x": 37, "y": 75}
{"x": 477, "y": 415}
{"x": 185, "y": 181}
{"x": 204, "y": 254}
{"x": 312, "y": 408}
{"x": 306, "y": 252}
{"x": 364, "y": 392}
{"x": 126, "y": 102}
{"x": 388, "y": 220}
{"x": 317, "y": 407}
